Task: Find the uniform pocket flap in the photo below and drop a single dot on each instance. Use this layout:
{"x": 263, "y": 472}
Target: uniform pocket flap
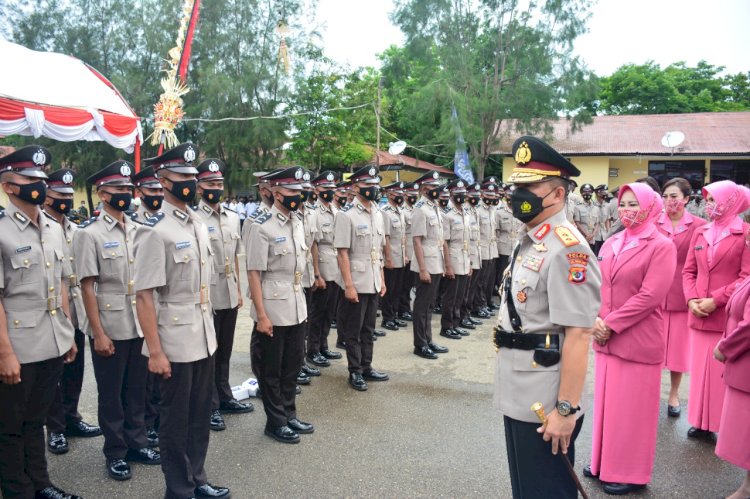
{"x": 21, "y": 261}
{"x": 358, "y": 266}
{"x": 430, "y": 250}
{"x": 182, "y": 257}
{"x": 109, "y": 253}
{"x": 110, "y": 302}
{"x": 176, "y": 314}
{"x": 526, "y": 281}
{"x": 281, "y": 249}
{"x": 59, "y": 255}
{"x": 22, "y": 319}
{"x": 275, "y": 290}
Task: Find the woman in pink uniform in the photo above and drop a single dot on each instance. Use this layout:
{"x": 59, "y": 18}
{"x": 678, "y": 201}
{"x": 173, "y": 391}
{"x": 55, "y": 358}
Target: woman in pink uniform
{"x": 629, "y": 344}
{"x": 734, "y": 351}
{"x": 716, "y": 263}
{"x": 678, "y": 225}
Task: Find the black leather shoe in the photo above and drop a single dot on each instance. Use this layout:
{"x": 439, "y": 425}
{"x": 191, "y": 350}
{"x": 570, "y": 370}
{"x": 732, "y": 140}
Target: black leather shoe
{"x": 588, "y": 473}
{"x": 380, "y": 332}
{"x": 118, "y": 469}
{"x": 373, "y": 375}
{"x": 621, "y": 489}
{"x": 297, "y": 390}
{"x": 437, "y": 348}
{"x": 318, "y": 359}
{"x": 480, "y": 314}
{"x": 145, "y": 455}
{"x": 425, "y": 352}
{"x": 449, "y": 333}
{"x": 389, "y": 325}
{"x": 406, "y": 316}
{"x": 333, "y": 324}
{"x": 310, "y": 371}
{"x": 357, "y": 382}
{"x": 694, "y": 432}
{"x": 437, "y": 309}
{"x": 330, "y": 354}
{"x": 474, "y": 321}
{"x": 460, "y": 331}
{"x": 302, "y": 378}
{"x": 493, "y": 308}
{"x": 300, "y": 426}
{"x": 283, "y": 434}
{"x": 467, "y": 324}
{"x": 53, "y": 492}
{"x": 400, "y": 323}
{"x": 341, "y": 345}
{"x": 153, "y": 436}
{"x": 673, "y": 411}
{"x": 82, "y": 429}
{"x": 57, "y": 443}
{"x": 234, "y": 406}
{"x": 487, "y": 311}
{"x": 217, "y": 422}
{"x": 208, "y": 490}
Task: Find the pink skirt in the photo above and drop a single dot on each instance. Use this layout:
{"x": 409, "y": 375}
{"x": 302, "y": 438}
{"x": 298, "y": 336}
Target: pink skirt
{"x": 626, "y": 419}
{"x": 733, "y": 444}
{"x": 677, "y": 341}
{"x": 706, "y": 384}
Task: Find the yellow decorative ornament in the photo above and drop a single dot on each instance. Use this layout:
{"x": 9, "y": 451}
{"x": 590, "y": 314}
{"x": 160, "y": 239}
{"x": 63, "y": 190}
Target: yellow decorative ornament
{"x": 523, "y": 154}
{"x": 525, "y": 207}
{"x": 283, "y": 30}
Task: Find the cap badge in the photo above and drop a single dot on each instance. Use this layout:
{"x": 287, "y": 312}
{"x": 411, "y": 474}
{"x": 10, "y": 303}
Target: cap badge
{"x": 67, "y": 178}
{"x": 372, "y": 172}
{"x": 306, "y": 176}
{"x": 460, "y": 183}
{"x": 434, "y": 175}
{"x": 39, "y": 158}
{"x": 491, "y": 188}
{"x": 213, "y": 167}
{"x": 416, "y": 185}
{"x": 523, "y": 154}
{"x": 329, "y": 177}
{"x": 189, "y": 154}
{"x": 298, "y": 174}
{"x": 401, "y": 185}
{"x": 125, "y": 170}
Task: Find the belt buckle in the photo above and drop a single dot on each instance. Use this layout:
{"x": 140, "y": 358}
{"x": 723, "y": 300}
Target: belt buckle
{"x": 72, "y": 280}
{"x": 131, "y": 286}
{"x": 204, "y": 296}
{"x": 52, "y": 303}
{"x": 227, "y": 269}
{"x": 297, "y": 278}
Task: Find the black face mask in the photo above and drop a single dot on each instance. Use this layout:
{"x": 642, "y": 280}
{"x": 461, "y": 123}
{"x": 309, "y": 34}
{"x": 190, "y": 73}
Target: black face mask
{"x": 304, "y": 195}
{"x": 62, "y": 206}
{"x": 313, "y": 197}
{"x": 443, "y": 203}
{"x": 587, "y": 196}
{"x": 527, "y": 205}
{"x": 399, "y": 200}
{"x": 120, "y": 200}
{"x": 459, "y": 199}
{"x": 411, "y": 199}
{"x": 268, "y": 198}
{"x": 292, "y": 202}
{"x": 326, "y": 196}
{"x": 34, "y": 193}
{"x": 341, "y": 202}
{"x": 212, "y": 196}
{"x": 473, "y": 201}
{"x": 369, "y": 192}
{"x": 434, "y": 193}
{"x": 152, "y": 203}
{"x": 184, "y": 190}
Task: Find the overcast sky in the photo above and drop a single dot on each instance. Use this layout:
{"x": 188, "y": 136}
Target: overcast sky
{"x": 621, "y": 32}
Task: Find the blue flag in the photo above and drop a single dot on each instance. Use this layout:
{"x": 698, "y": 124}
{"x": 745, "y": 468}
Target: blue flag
{"x": 461, "y": 165}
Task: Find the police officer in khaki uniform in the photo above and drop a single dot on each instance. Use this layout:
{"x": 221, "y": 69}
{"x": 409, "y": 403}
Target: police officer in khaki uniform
{"x": 586, "y": 216}
{"x": 600, "y": 201}
{"x": 150, "y": 192}
{"x": 358, "y": 238}
{"x": 175, "y": 267}
{"x": 226, "y": 297}
{"x": 104, "y": 257}
{"x": 457, "y": 233}
{"x": 492, "y": 187}
{"x": 395, "y": 254}
{"x": 276, "y": 258}
{"x": 549, "y": 304}
{"x": 504, "y": 229}
{"x": 63, "y": 418}
{"x": 428, "y": 262}
{"x": 35, "y": 332}
{"x": 411, "y": 196}
{"x": 325, "y": 297}
{"x": 486, "y": 222}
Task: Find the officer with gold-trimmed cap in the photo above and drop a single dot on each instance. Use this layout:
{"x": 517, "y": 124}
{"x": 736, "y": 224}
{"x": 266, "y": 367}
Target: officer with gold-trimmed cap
{"x": 457, "y": 234}
{"x": 275, "y": 260}
{"x": 37, "y": 335}
{"x": 104, "y": 252}
{"x": 395, "y": 254}
{"x": 175, "y": 267}
{"x": 150, "y": 192}
{"x": 550, "y": 300}
{"x": 411, "y": 195}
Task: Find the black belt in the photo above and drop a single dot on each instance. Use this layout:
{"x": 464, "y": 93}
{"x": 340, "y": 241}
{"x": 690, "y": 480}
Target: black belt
{"x": 526, "y": 341}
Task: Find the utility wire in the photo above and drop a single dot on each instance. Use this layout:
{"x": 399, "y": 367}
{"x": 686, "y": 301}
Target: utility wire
{"x": 276, "y": 117}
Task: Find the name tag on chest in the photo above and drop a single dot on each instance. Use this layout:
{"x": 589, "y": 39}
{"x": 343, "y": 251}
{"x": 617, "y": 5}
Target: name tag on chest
{"x": 211, "y": 228}
{"x": 182, "y": 245}
{"x": 362, "y": 226}
{"x": 280, "y": 239}
{"x": 111, "y": 244}
{"x": 23, "y": 249}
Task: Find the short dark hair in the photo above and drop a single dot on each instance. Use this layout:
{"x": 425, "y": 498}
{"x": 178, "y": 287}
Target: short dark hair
{"x": 682, "y": 184}
{"x": 651, "y": 181}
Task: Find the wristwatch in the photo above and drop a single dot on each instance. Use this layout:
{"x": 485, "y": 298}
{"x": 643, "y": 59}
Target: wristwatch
{"x": 565, "y": 408}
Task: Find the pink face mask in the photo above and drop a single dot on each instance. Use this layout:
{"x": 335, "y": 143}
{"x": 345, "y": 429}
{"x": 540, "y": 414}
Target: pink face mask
{"x": 674, "y": 206}
{"x": 712, "y": 211}
{"x": 627, "y": 216}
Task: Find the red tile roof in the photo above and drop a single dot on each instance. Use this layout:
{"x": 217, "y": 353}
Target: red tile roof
{"x": 385, "y": 159}
{"x": 705, "y": 134}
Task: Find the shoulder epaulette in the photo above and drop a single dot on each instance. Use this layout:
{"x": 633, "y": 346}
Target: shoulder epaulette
{"x": 151, "y": 221}
{"x": 49, "y": 216}
{"x": 346, "y": 208}
{"x": 566, "y": 236}
{"x": 134, "y": 217}
{"x": 419, "y": 204}
{"x": 263, "y": 218}
{"x": 86, "y": 223}
{"x": 447, "y": 210}
{"x": 387, "y": 208}
{"x": 207, "y": 210}
{"x": 194, "y": 207}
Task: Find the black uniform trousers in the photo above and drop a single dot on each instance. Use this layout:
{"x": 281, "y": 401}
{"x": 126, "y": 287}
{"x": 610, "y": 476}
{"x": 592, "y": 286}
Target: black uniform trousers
{"x": 276, "y": 362}
{"x": 453, "y": 300}
{"x": 322, "y": 312}
{"x": 489, "y": 284}
{"x": 121, "y": 383}
{"x": 64, "y": 409}
{"x": 502, "y": 263}
{"x": 308, "y": 303}
{"x": 407, "y": 282}
{"x": 357, "y": 324}
{"x": 225, "y": 322}
{"x": 479, "y": 298}
{"x": 185, "y": 420}
{"x": 423, "y": 301}
{"x": 153, "y": 400}
{"x": 468, "y": 300}
{"x": 393, "y": 291}
{"x": 23, "y": 465}
{"x": 535, "y": 473}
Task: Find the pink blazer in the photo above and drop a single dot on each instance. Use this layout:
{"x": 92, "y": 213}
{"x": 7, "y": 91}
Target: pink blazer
{"x": 735, "y": 344}
{"x": 731, "y": 264}
{"x": 634, "y": 286}
{"x": 681, "y": 237}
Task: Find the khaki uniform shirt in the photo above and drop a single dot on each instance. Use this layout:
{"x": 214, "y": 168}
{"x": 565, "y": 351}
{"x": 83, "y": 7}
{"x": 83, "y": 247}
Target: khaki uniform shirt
{"x": 393, "y": 220}
{"x": 408, "y": 211}
{"x": 486, "y": 231}
{"x": 504, "y": 225}
{"x": 456, "y": 230}
{"x": 362, "y": 233}
{"x": 75, "y": 299}
{"x": 587, "y": 215}
{"x": 30, "y": 278}
{"x": 263, "y": 208}
{"x": 603, "y": 212}
{"x": 105, "y": 251}
{"x": 475, "y": 256}
{"x": 276, "y": 248}
{"x": 570, "y": 208}
{"x": 309, "y": 226}
{"x": 427, "y": 223}
{"x": 328, "y": 265}
{"x": 554, "y": 284}
{"x": 174, "y": 259}
{"x": 224, "y": 233}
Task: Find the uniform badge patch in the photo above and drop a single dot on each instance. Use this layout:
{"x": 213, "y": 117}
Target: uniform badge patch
{"x": 577, "y": 275}
{"x": 533, "y": 262}
{"x": 566, "y": 236}
{"x": 578, "y": 259}
{"x": 543, "y": 231}
{"x": 521, "y": 297}
{"x": 541, "y": 248}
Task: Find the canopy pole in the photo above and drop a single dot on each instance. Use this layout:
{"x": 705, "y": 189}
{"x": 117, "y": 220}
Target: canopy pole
{"x": 137, "y": 152}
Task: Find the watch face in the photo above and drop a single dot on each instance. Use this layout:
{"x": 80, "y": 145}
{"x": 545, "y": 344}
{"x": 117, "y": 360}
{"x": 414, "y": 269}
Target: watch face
{"x": 563, "y": 408}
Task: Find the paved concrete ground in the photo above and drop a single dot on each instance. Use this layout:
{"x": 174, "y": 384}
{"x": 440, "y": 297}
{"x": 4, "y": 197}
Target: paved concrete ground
{"x": 429, "y": 432}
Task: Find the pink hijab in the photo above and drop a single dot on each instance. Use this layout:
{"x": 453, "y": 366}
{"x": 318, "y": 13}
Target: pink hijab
{"x": 731, "y": 200}
{"x": 651, "y": 206}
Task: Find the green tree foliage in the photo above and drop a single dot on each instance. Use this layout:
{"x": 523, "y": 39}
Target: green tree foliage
{"x": 678, "y": 88}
